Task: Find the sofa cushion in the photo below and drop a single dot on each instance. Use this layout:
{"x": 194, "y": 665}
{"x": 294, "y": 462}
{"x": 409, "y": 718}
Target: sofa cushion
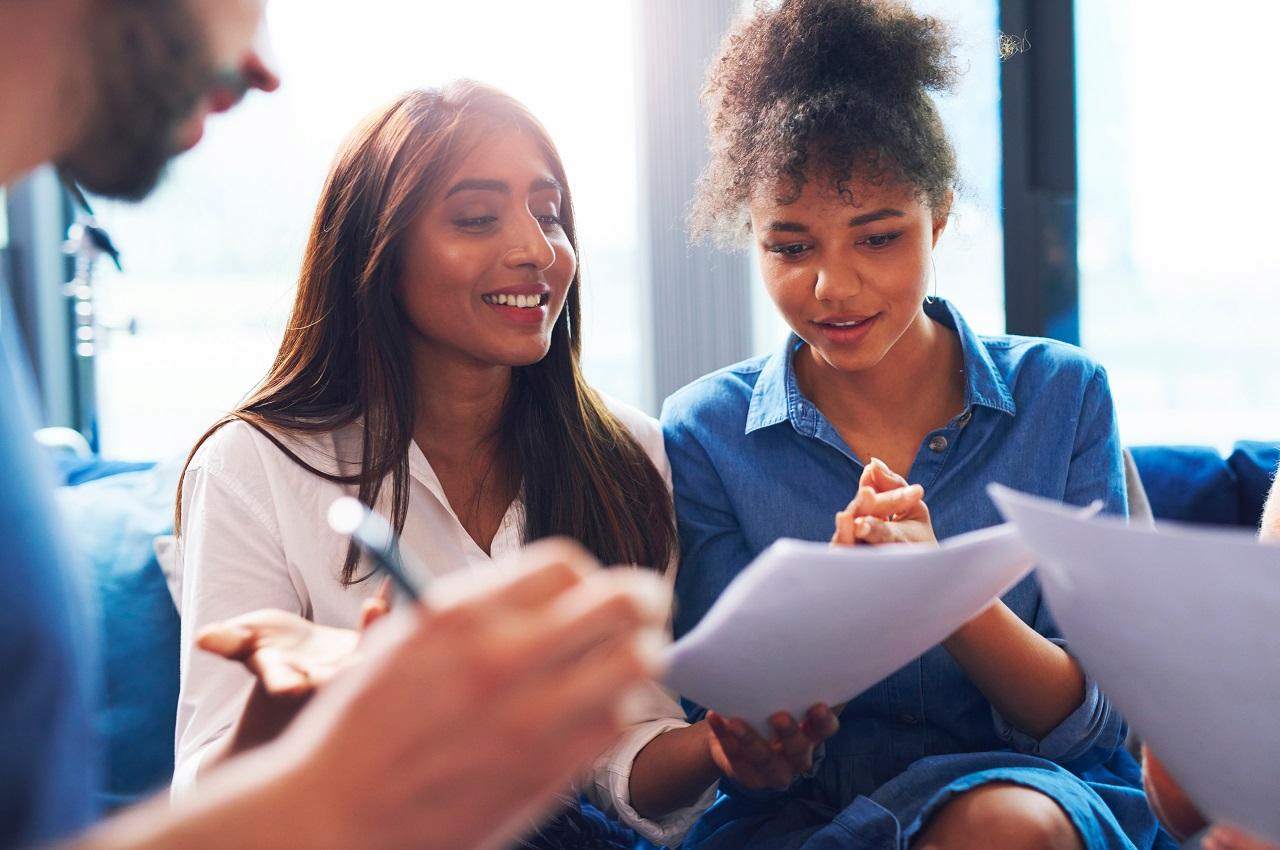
{"x": 1254, "y": 465}
{"x": 1189, "y": 484}
{"x": 113, "y": 521}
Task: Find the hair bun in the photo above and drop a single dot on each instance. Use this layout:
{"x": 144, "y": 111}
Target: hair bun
{"x": 825, "y": 87}
{"x": 878, "y": 47}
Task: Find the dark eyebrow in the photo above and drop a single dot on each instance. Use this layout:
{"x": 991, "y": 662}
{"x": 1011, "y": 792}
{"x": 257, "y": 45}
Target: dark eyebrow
{"x": 856, "y": 221}
{"x": 479, "y": 186}
{"x": 541, "y": 184}
{"x": 787, "y": 227}
{"x": 878, "y": 215}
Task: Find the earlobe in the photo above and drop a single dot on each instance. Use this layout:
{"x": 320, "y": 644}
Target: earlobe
{"x": 941, "y": 216}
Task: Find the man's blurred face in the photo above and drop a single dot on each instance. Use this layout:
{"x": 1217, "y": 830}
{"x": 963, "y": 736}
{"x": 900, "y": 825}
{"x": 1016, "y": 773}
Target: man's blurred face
{"x": 157, "y": 69}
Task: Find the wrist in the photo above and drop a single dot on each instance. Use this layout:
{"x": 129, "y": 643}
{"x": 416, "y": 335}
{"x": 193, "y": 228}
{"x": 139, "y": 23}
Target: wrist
{"x": 709, "y": 768}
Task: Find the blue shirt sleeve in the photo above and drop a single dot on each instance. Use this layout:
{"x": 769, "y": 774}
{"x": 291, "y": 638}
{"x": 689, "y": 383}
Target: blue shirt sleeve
{"x": 713, "y": 550}
{"x": 1092, "y": 733}
{"x": 48, "y": 756}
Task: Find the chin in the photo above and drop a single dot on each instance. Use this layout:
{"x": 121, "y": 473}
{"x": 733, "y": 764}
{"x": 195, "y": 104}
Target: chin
{"x": 850, "y": 361}
{"x": 524, "y": 355}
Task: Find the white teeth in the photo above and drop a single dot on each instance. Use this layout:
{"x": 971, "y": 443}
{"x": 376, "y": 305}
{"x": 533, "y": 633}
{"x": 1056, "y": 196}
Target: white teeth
{"x": 523, "y": 301}
{"x": 845, "y": 324}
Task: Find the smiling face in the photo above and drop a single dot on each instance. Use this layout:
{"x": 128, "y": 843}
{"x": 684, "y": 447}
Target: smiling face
{"x": 850, "y": 279}
{"x": 488, "y": 263}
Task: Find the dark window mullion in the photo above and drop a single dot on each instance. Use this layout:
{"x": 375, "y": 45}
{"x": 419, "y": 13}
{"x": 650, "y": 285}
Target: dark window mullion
{"x": 1038, "y": 117}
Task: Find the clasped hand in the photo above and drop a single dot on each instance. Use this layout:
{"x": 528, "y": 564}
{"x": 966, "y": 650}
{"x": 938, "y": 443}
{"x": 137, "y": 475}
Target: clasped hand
{"x": 886, "y": 509}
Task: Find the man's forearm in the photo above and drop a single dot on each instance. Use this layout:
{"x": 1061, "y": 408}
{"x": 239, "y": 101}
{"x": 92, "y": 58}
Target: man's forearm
{"x": 235, "y": 808}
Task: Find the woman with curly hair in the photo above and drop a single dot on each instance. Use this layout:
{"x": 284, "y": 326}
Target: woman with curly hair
{"x": 829, "y": 157}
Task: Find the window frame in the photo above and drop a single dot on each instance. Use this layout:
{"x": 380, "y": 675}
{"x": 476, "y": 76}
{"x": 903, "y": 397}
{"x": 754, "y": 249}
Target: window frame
{"x": 1039, "y": 171}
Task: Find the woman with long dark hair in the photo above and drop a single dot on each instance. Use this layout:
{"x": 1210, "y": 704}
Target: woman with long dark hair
{"x": 431, "y": 369}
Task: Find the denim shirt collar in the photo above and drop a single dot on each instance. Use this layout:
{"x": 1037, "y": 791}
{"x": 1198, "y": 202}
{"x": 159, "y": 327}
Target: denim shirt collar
{"x": 777, "y": 397}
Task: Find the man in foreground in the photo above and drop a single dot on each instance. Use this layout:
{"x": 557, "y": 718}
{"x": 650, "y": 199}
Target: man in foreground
{"x": 412, "y": 747}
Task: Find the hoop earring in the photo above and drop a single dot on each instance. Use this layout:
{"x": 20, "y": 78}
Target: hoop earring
{"x": 929, "y": 299}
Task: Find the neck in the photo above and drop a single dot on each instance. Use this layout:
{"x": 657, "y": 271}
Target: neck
{"x": 459, "y": 402}
{"x": 925, "y": 363}
{"x": 42, "y": 53}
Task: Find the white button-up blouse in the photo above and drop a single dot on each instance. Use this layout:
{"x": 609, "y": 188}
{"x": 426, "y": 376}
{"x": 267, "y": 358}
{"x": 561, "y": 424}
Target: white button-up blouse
{"x": 254, "y": 536}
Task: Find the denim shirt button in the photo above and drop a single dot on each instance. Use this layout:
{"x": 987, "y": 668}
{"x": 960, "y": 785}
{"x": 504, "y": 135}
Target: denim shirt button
{"x": 938, "y": 444}
{"x": 964, "y": 418}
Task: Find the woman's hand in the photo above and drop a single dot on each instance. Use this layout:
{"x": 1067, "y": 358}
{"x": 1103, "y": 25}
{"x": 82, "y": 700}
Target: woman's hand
{"x": 886, "y": 510}
{"x": 291, "y": 657}
{"x": 743, "y": 756}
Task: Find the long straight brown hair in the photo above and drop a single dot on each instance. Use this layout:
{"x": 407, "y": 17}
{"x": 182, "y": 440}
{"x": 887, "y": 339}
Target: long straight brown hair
{"x": 345, "y": 357}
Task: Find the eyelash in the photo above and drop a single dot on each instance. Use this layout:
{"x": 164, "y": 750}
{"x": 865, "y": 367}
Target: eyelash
{"x": 889, "y": 238}
{"x": 793, "y": 250}
{"x": 486, "y": 220}
{"x": 786, "y": 251}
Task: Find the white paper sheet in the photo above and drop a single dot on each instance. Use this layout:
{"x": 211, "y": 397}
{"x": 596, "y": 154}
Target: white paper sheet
{"x": 1181, "y": 628}
{"x": 807, "y": 623}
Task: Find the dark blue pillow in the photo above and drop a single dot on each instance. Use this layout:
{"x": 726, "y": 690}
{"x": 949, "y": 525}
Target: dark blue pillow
{"x": 1254, "y": 464}
{"x": 114, "y": 520}
{"x": 1189, "y": 484}
{"x": 73, "y": 471}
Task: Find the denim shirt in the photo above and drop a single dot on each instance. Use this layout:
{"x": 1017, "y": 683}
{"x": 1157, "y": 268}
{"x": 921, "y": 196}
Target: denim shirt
{"x": 753, "y": 460}
{"x": 48, "y": 746}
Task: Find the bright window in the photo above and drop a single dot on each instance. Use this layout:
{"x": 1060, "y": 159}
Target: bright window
{"x": 211, "y": 259}
{"x": 1180, "y": 264}
{"x": 970, "y": 256}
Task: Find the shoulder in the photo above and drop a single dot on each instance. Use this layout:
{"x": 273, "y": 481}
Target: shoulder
{"x": 717, "y": 401}
{"x": 238, "y": 450}
{"x": 259, "y": 468}
{"x": 1035, "y": 366}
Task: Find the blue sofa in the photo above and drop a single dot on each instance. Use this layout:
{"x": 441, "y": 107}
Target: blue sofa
{"x": 1197, "y": 485}
{"x": 114, "y": 512}
{"x": 117, "y": 510}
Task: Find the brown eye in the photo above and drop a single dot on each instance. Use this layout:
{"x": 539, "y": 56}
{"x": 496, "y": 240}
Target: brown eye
{"x": 476, "y": 223}
{"x": 795, "y": 249}
{"x": 881, "y": 240}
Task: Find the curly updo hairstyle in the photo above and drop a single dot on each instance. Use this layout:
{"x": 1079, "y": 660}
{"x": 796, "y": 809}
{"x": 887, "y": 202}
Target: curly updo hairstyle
{"x": 833, "y": 89}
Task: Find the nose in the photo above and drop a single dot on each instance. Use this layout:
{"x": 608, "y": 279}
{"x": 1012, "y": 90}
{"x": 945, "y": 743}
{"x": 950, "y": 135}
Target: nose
{"x": 255, "y": 71}
{"x": 260, "y": 65}
{"x": 837, "y": 284}
{"x": 532, "y": 249}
